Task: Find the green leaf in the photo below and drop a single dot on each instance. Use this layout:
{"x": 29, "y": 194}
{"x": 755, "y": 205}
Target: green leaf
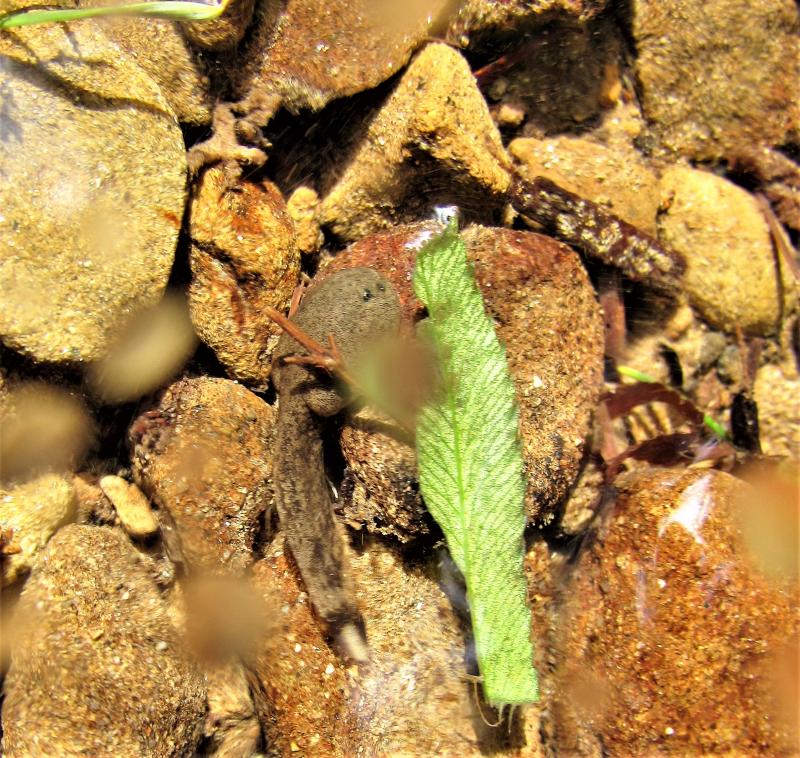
{"x": 181, "y": 10}
{"x": 470, "y": 467}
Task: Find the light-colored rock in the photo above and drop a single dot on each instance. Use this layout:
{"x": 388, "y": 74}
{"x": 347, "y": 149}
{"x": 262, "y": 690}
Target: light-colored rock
{"x": 731, "y": 277}
{"x": 163, "y": 52}
{"x": 204, "y": 458}
{"x": 616, "y": 178}
{"x": 33, "y": 511}
{"x": 302, "y": 207}
{"x": 96, "y": 666}
{"x": 435, "y": 124}
{"x": 719, "y": 74}
{"x": 132, "y": 507}
{"x": 777, "y": 392}
{"x": 92, "y": 187}
{"x": 244, "y": 259}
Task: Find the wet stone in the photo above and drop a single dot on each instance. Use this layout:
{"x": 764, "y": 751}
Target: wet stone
{"x": 96, "y": 666}
{"x": 92, "y": 239}
{"x": 704, "y": 97}
{"x": 244, "y": 259}
{"x": 547, "y": 315}
{"x": 33, "y": 511}
{"x": 671, "y": 639}
{"x": 203, "y": 457}
{"x": 722, "y": 234}
{"x": 433, "y": 142}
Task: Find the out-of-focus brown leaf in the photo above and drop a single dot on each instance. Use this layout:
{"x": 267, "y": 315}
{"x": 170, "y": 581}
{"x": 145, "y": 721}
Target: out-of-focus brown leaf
{"x": 42, "y": 428}
{"x": 629, "y": 396}
{"x": 664, "y": 450}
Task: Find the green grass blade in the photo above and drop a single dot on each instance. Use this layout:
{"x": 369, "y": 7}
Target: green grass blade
{"x": 179, "y": 10}
{"x": 470, "y": 467}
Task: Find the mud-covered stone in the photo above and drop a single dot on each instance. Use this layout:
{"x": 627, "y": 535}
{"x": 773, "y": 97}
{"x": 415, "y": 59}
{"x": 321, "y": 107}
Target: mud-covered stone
{"x": 92, "y": 187}
{"x": 203, "y": 456}
{"x": 244, "y": 259}
{"x": 547, "y": 315}
{"x": 433, "y": 142}
{"x": 703, "y": 96}
{"x": 671, "y": 639}
{"x": 97, "y": 668}
{"x": 731, "y": 277}
{"x": 33, "y": 511}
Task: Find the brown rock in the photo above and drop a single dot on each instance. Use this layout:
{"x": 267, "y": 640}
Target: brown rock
{"x": 33, "y": 511}
{"x": 549, "y": 319}
{"x": 318, "y": 50}
{"x": 719, "y": 74}
{"x": 615, "y": 178}
{"x": 410, "y": 700}
{"x": 222, "y": 33}
{"x": 776, "y": 390}
{"x": 671, "y": 639}
{"x": 97, "y": 668}
{"x": 244, "y": 259}
{"x": 731, "y": 277}
{"x": 482, "y": 15}
{"x": 93, "y": 237}
{"x": 164, "y": 53}
{"x": 432, "y": 142}
{"x": 203, "y": 457}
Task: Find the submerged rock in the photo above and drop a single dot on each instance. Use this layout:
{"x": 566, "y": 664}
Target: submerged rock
{"x": 547, "y": 315}
{"x": 34, "y": 511}
{"x": 203, "y": 457}
{"x": 244, "y": 259}
{"x": 96, "y": 666}
{"x": 432, "y": 142}
{"x": 672, "y": 640}
{"x": 92, "y": 188}
{"x": 731, "y": 277}
{"x": 705, "y": 97}
{"x": 411, "y": 699}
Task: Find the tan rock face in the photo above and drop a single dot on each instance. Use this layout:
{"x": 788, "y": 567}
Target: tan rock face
{"x": 436, "y": 116}
{"x": 96, "y": 666}
{"x": 731, "y": 277}
{"x": 615, "y": 178}
{"x": 244, "y": 258}
{"x": 92, "y": 239}
{"x": 203, "y": 456}
{"x": 671, "y": 638}
{"x": 547, "y": 316}
{"x": 705, "y": 97}
{"x": 164, "y": 53}
{"x": 33, "y": 511}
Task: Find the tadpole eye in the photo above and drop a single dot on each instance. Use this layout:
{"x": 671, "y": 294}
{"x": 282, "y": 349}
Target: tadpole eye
{"x": 381, "y": 287}
{"x": 367, "y": 295}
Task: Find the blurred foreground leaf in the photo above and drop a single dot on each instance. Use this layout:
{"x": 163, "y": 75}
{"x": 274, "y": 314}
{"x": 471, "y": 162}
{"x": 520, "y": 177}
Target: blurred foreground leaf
{"x": 470, "y": 467}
